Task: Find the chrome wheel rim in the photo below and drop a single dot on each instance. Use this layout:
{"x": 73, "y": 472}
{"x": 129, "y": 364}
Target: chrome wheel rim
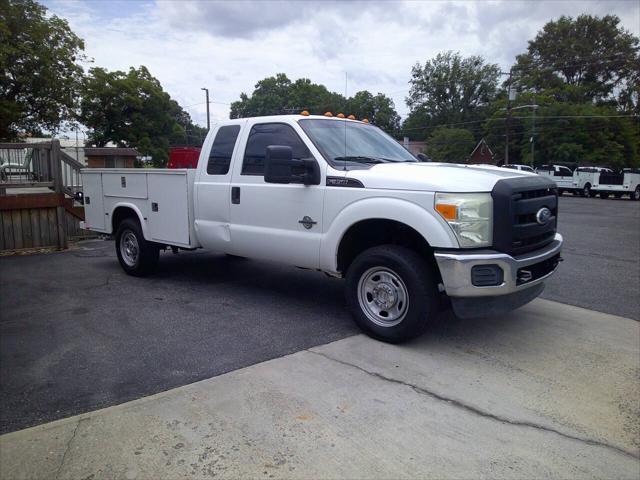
{"x": 586, "y": 191}
{"x": 129, "y": 248}
{"x": 383, "y": 296}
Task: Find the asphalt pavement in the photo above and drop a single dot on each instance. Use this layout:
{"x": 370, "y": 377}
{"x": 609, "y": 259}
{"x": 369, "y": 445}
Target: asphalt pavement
{"x": 548, "y": 391}
{"x": 77, "y": 334}
{"x": 601, "y": 270}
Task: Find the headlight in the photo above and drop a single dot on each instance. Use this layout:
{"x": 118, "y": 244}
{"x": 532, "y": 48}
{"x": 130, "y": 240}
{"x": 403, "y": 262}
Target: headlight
{"x": 469, "y": 215}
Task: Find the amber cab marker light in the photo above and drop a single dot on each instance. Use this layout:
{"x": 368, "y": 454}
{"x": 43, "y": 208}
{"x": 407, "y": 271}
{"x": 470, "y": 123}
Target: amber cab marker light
{"x": 328, "y": 114}
{"x": 340, "y": 115}
{"x": 351, "y": 117}
{"x": 449, "y": 212}
{"x": 304, "y": 113}
{"x": 364, "y": 120}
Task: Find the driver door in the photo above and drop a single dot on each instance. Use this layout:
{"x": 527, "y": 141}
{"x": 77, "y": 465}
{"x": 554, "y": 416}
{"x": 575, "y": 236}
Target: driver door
{"x": 281, "y": 222}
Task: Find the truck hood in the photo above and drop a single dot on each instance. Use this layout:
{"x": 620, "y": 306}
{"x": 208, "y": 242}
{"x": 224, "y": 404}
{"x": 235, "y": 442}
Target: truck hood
{"x": 435, "y": 177}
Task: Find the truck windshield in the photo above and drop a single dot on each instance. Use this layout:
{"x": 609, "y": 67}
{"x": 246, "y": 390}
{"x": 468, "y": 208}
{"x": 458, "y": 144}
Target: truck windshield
{"x": 344, "y": 143}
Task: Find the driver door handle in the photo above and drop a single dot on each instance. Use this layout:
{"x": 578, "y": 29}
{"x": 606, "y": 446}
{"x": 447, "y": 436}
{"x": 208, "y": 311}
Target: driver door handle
{"x": 235, "y": 195}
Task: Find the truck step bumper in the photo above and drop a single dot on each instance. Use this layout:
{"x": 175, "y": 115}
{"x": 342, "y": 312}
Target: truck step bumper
{"x": 488, "y": 273}
{"x": 470, "y": 307}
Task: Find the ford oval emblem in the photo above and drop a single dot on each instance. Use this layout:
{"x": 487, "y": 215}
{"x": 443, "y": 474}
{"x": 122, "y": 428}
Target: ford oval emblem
{"x": 543, "y": 216}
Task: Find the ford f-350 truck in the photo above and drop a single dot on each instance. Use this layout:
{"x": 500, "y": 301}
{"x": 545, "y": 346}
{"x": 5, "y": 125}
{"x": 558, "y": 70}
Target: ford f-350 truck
{"x": 342, "y": 197}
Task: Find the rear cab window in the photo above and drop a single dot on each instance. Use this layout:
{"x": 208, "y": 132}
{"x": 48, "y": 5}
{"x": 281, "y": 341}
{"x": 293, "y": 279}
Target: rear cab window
{"x": 222, "y": 150}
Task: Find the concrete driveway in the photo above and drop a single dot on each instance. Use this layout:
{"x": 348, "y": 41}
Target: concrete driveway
{"x": 548, "y": 391}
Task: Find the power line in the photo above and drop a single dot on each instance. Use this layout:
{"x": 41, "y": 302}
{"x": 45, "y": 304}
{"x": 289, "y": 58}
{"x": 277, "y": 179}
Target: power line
{"x": 537, "y": 117}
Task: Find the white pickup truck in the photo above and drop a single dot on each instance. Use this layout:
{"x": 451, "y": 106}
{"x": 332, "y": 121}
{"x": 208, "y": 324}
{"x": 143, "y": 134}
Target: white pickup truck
{"x": 342, "y": 197}
{"x": 627, "y": 182}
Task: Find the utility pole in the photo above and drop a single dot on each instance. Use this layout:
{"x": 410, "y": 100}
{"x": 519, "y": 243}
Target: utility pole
{"x": 533, "y": 132}
{"x": 208, "y": 117}
{"x": 508, "y": 122}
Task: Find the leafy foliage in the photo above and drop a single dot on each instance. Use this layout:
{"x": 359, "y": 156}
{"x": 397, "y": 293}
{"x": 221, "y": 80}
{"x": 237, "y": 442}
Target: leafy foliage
{"x": 39, "y": 70}
{"x": 449, "y": 89}
{"x": 450, "y": 145}
{"x": 586, "y": 59}
{"x": 279, "y": 95}
{"x": 131, "y": 109}
{"x": 378, "y": 109}
{"x": 581, "y": 133}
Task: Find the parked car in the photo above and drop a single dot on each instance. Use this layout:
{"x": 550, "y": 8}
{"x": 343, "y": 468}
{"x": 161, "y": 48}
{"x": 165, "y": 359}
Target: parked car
{"x": 183, "y": 157}
{"x": 404, "y": 234}
{"x": 515, "y": 166}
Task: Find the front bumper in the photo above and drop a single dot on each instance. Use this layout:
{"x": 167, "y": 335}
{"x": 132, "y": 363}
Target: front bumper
{"x": 519, "y": 273}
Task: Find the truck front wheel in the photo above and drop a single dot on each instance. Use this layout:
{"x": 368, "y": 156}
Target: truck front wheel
{"x": 635, "y": 195}
{"x": 136, "y": 256}
{"x": 392, "y": 293}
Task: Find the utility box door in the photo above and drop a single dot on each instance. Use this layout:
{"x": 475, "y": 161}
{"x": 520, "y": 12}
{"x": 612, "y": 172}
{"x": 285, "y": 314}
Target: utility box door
{"x": 168, "y": 208}
{"x": 125, "y": 184}
{"x": 94, "y": 214}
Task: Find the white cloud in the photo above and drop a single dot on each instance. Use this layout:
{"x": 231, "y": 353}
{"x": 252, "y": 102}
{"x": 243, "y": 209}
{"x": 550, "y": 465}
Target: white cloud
{"x": 229, "y": 46}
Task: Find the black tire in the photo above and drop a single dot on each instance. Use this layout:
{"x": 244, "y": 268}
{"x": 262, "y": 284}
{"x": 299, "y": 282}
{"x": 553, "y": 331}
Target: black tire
{"x": 604, "y": 195}
{"x": 617, "y": 195}
{"x": 586, "y": 191}
{"x": 415, "y": 281}
{"x": 560, "y": 192}
{"x": 635, "y": 195}
{"x": 145, "y": 260}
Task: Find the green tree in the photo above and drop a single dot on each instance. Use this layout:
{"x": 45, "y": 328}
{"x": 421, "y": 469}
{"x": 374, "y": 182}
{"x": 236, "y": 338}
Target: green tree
{"x": 450, "y": 145}
{"x": 131, "y": 109}
{"x": 378, "y": 109}
{"x": 585, "y": 134}
{"x": 279, "y": 95}
{"x": 449, "y": 89}
{"x": 585, "y": 59}
{"x": 39, "y": 70}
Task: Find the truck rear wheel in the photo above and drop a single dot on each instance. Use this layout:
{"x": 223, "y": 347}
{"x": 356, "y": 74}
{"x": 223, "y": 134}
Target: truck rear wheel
{"x": 586, "y": 191}
{"x": 136, "y": 256}
{"x": 635, "y": 195}
{"x": 392, "y": 293}
{"x": 604, "y": 195}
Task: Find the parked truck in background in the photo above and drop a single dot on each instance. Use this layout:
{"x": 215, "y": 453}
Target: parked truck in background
{"x": 627, "y": 182}
{"x": 584, "y": 178}
{"x": 342, "y": 197}
{"x": 560, "y": 175}
{"x": 183, "y": 157}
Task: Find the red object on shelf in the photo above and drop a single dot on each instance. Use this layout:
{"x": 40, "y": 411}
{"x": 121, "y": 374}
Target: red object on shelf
{"x": 183, "y": 157}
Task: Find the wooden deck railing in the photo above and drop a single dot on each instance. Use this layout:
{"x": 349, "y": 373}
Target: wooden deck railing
{"x": 38, "y": 182}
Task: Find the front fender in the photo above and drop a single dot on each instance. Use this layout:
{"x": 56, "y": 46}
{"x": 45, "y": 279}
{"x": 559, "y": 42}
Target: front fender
{"x": 427, "y": 223}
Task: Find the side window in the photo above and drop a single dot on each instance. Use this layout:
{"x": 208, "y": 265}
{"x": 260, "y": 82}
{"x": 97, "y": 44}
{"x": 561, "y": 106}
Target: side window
{"x": 222, "y": 149}
{"x": 562, "y": 172}
{"x": 265, "y": 134}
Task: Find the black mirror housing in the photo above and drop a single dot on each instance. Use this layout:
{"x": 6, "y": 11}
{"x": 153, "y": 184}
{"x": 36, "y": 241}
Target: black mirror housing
{"x": 278, "y": 164}
{"x": 281, "y": 167}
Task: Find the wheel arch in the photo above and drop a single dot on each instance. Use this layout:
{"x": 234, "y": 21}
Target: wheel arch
{"x": 122, "y": 211}
{"x": 377, "y": 221}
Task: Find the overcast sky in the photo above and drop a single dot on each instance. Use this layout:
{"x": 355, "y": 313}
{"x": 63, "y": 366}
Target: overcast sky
{"x": 228, "y": 46}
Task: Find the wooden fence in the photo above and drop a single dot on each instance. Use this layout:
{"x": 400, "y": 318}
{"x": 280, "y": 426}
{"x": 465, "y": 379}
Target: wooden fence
{"x": 37, "y": 185}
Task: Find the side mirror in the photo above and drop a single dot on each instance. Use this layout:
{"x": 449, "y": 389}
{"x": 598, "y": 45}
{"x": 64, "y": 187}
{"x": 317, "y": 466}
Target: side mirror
{"x": 281, "y": 167}
{"x": 422, "y": 157}
{"x": 79, "y": 197}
